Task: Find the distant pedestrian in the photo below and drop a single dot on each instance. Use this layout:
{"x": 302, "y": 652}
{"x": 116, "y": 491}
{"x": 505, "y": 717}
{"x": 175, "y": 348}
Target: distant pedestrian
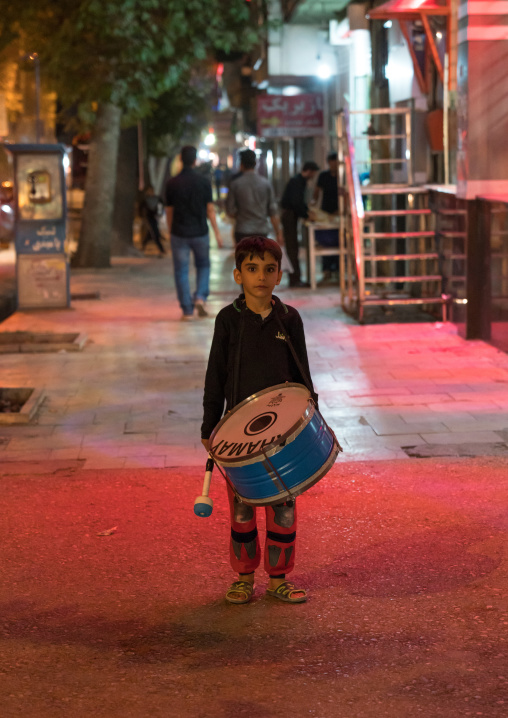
{"x": 151, "y": 209}
{"x": 251, "y": 202}
{"x": 327, "y": 192}
{"x": 189, "y": 203}
{"x": 294, "y": 207}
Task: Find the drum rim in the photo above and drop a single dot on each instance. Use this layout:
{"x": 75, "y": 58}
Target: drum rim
{"x": 281, "y": 441}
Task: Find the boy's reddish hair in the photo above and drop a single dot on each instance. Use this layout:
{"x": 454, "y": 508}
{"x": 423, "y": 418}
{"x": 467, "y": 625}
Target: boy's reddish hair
{"x": 256, "y": 246}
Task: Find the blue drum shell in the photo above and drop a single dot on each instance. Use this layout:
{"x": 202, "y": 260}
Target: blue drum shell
{"x": 300, "y": 463}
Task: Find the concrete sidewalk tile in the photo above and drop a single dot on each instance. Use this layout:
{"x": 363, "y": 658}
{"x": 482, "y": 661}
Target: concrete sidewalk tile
{"x": 66, "y": 453}
{"x": 42, "y": 443}
{"x": 489, "y": 393}
{"x": 105, "y": 431}
{"x": 395, "y": 441}
{"x": 462, "y": 437}
{"x": 29, "y": 454}
{"x": 142, "y": 427}
{"x": 424, "y": 415}
{"x": 372, "y": 453}
{"x": 25, "y": 431}
{"x": 395, "y": 425}
{"x": 382, "y": 400}
{"x": 467, "y": 406}
{"x": 385, "y": 391}
{"x": 120, "y": 440}
{"x": 413, "y": 399}
{"x": 126, "y": 450}
{"x": 337, "y": 403}
{"x": 414, "y": 373}
{"x": 353, "y": 432}
{"x": 111, "y": 417}
{"x": 145, "y": 462}
{"x": 104, "y": 462}
{"x": 195, "y": 459}
{"x": 415, "y": 386}
{"x": 477, "y": 424}
{"x": 493, "y": 416}
{"x": 448, "y": 387}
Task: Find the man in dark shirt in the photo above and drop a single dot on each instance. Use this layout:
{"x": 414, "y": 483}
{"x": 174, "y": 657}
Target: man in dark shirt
{"x": 294, "y": 207}
{"x": 327, "y": 187}
{"x": 189, "y": 203}
{"x": 251, "y": 201}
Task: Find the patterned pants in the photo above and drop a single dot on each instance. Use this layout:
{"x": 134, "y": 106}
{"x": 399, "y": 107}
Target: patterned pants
{"x": 245, "y": 551}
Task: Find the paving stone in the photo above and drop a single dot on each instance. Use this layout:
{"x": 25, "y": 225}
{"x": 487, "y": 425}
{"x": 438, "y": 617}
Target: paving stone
{"x": 459, "y": 450}
{"x": 408, "y": 399}
{"x": 462, "y": 437}
{"x": 143, "y": 369}
{"x": 394, "y": 425}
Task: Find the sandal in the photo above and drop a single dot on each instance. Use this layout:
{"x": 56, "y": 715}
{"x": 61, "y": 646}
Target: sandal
{"x": 286, "y": 592}
{"x": 241, "y": 587}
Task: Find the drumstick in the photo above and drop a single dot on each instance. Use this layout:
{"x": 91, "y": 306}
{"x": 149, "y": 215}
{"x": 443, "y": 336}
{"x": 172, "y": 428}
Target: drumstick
{"x": 203, "y": 505}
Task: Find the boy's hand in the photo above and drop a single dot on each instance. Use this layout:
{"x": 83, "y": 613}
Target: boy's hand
{"x": 206, "y": 444}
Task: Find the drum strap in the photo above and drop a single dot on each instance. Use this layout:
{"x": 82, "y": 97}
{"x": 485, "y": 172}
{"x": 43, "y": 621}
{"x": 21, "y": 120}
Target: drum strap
{"x": 298, "y": 363}
{"x": 236, "y": 375}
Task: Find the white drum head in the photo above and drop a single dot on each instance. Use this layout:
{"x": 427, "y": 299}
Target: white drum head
{"x": 259, "y": 421}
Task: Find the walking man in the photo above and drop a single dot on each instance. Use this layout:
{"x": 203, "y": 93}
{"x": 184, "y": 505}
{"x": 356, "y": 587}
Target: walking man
{"x": 251, "y": 202}
{"x": 189, "y": 203}
{"x": 295, "y": 207}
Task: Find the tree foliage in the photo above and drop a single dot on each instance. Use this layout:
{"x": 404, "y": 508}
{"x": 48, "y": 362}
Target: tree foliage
{"x": 112, "y": 59}
{"x": 127, "y": 52}
{"x": 180, "y": 114}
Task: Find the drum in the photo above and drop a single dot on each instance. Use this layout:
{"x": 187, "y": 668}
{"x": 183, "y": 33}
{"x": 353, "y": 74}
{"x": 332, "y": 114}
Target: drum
{"x": 274, "y": 445}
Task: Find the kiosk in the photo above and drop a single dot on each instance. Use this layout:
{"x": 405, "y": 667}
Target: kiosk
{"x": 42, "y": 266}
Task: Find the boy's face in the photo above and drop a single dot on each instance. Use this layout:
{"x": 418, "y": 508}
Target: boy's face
{"x": 258, "y": 276}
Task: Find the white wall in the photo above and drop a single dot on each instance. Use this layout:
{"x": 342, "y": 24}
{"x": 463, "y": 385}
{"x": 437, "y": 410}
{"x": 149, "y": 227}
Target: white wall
{"x": 399, "y": 70}
{"x": 298, "y": 50}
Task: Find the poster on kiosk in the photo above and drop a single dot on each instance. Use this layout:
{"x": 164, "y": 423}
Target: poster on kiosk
{"x": 42, "y": 266}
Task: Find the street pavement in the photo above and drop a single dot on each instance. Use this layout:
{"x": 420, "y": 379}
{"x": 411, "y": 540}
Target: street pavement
{"x": 111, "y": 599}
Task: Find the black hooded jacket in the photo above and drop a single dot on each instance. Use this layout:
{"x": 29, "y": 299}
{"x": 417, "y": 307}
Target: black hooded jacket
{"x": 256, "y": 351}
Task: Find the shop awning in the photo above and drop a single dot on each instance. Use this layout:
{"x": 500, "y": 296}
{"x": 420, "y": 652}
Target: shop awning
{"x": 406, "y": 11}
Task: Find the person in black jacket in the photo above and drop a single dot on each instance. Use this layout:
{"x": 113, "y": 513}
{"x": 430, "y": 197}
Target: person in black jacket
{"x": 249, "y": 353}
{"x": 151, "y": 209}
{"x": 294, "y": 207}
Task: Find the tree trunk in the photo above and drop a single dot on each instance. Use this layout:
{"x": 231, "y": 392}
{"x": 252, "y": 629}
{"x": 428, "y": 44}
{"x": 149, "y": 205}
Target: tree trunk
{"x": 94, "y": 247}
{"x": 126, "y": 194}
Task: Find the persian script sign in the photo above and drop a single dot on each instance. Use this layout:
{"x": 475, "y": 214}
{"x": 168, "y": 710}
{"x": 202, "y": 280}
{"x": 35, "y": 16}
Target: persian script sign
{"x": 294, "y": 116}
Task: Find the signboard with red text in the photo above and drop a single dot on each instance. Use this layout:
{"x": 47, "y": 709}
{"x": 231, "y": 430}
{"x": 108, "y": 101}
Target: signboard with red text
{"x": 290, "y": 116}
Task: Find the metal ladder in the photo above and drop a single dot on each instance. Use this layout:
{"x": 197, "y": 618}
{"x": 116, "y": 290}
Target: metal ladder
{"x": 387, "y": 234}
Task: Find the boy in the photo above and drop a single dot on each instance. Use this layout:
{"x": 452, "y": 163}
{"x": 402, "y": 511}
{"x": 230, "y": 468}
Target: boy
{"x": 249, "y": 353}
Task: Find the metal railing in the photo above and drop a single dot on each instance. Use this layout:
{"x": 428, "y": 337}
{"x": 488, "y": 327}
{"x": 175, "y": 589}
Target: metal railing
{"x": 398, "y": 137}
{"x": 388, "y": 246}
{"x": 352, "y": 279}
